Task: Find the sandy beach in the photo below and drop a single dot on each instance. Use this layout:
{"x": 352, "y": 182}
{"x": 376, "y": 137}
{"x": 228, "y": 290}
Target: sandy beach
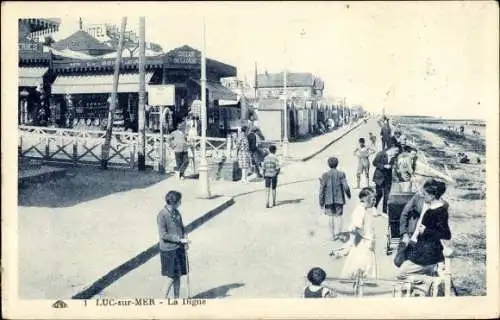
{"x": 438, "y": 147}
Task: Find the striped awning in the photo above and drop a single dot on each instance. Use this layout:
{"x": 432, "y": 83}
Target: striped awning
{"x": 217, "y": 91}
{"x": 31, "y": 77}
{"x": 128, "y": 82}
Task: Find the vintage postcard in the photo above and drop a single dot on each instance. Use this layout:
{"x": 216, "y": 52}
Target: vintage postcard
{"x": 185, "y": 160}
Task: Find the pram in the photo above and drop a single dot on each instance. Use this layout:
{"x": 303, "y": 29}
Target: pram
{"x": 395, "y": 205}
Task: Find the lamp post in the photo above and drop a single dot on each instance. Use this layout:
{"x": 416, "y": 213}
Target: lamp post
{"x": 285, "y": 95}
{"x": 285, "y": 113}
{"x": 203, "y": 167}
{"x": 141, "y": 155}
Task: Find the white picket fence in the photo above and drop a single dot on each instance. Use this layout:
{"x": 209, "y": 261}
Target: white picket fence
{"x": 85, "y": 147}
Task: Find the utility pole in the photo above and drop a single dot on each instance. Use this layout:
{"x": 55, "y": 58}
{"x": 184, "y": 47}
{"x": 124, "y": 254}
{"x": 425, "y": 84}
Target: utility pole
{"x": 285, "y": 114}
{"x": 114, "y": 98}
{"x": 141, "y": 158}
{"x": 203, "y": 168}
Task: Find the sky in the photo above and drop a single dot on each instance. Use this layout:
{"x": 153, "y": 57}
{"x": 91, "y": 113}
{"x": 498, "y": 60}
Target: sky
{"x": 431, "y": 58}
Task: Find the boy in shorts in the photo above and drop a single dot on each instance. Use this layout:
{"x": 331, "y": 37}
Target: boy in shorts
{"x": 270, "y": 170}
{"x": 363, "y": 153}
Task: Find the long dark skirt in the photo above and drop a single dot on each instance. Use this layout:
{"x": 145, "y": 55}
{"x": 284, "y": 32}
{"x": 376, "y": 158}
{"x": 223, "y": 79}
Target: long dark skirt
{"x": 173, "y": 263}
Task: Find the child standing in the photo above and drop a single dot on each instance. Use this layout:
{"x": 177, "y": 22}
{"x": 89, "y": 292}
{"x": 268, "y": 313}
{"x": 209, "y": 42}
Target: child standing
{"x": 316, "y": 276}
{"x": 270, "y": 170}
{"x": 360, "y": 249}
{"x": 363, "y": 153}
{"x": 373, "y": 140}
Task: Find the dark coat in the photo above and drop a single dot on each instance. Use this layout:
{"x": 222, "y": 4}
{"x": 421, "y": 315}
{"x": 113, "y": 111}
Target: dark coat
{"x": 333, "y": 188}
{"x": 381, "y": 174}
{"x": 428, "y": 249}
{"x": 170, "y": 229}
{"x": 252, "y": 141}
{"x": 385, "y": 132}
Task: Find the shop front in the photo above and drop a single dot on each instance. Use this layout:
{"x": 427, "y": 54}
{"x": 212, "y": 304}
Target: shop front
{"x": 33, "y": 83}
{"x": 81, "y": 91}
{"x": 31, "y": 91}
{"x": 84, "y": 100}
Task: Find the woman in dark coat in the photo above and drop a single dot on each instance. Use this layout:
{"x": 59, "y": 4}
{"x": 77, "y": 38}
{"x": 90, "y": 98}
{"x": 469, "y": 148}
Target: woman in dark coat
{"x": 172, "y": 242}
{"x": 424, "y": 223}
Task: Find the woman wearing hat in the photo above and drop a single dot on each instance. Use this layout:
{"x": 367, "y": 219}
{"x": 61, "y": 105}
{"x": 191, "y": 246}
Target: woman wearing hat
{"x": 423, "y": 224}
{"x": 172, "y": 242}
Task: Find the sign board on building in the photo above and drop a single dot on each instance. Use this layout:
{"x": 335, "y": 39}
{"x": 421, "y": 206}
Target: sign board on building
{"x": 98, "y": 31}
{"x": 30, "y": 47}
{"x": 184, "y": 57}
{"x": 161, "y": 95}
{"x": 126, "y": 62}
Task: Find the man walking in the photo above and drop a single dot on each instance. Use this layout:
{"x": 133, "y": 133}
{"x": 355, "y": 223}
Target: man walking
{"x": 179, "y": 145}
{"x": 254, "y": 150}
{"x": 383, "y": 163}
{"x": 333, "y": 188}
{"x": 385, "y": 134}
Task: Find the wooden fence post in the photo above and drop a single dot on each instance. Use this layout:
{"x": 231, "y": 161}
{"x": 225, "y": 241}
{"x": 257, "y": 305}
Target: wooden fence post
{"x": 132, "y": 156}
{"x": 47, "y": 148}
{"x": 75, "y": 150}
{"x": 20, "y": 147}
{"x": 228, "y": 147}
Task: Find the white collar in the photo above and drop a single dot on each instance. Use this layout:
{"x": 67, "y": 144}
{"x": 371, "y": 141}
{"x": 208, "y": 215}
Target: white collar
{"x": 314, "y": 288}
{"x": 435, "y": 204}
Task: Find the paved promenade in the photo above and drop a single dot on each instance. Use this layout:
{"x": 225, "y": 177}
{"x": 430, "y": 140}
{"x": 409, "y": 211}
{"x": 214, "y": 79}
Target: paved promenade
{"x": 98, "y": 239}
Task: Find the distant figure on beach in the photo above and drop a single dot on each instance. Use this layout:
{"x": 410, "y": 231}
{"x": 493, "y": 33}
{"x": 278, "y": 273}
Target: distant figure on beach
{"x": 462, "y": 157}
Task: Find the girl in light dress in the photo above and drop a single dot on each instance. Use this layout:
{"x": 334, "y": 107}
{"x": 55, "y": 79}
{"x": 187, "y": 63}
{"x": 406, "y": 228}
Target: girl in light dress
{"x": 191, "y": 135}
{"x": 360, "y": 248}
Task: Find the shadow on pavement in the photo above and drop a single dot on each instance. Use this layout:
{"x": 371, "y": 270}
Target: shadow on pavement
{"x": 140, "y": 259}
{"x": 291, "y": 201}
{"x": 81, "y": 184}
{"x": 219, "y": 292}
{"x": 263, "y": 189}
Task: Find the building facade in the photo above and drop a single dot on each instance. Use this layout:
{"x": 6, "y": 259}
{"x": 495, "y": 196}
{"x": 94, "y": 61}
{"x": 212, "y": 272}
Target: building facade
{"x": 71, "y": 92}
{"x": 34, "y": 69}
{"x": 299, "y": 85}
{"x": 304, "y": 90}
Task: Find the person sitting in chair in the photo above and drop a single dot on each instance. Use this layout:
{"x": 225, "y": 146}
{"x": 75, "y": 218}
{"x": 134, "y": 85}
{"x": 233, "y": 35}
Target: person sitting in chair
{"x": 423, "y": 224}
